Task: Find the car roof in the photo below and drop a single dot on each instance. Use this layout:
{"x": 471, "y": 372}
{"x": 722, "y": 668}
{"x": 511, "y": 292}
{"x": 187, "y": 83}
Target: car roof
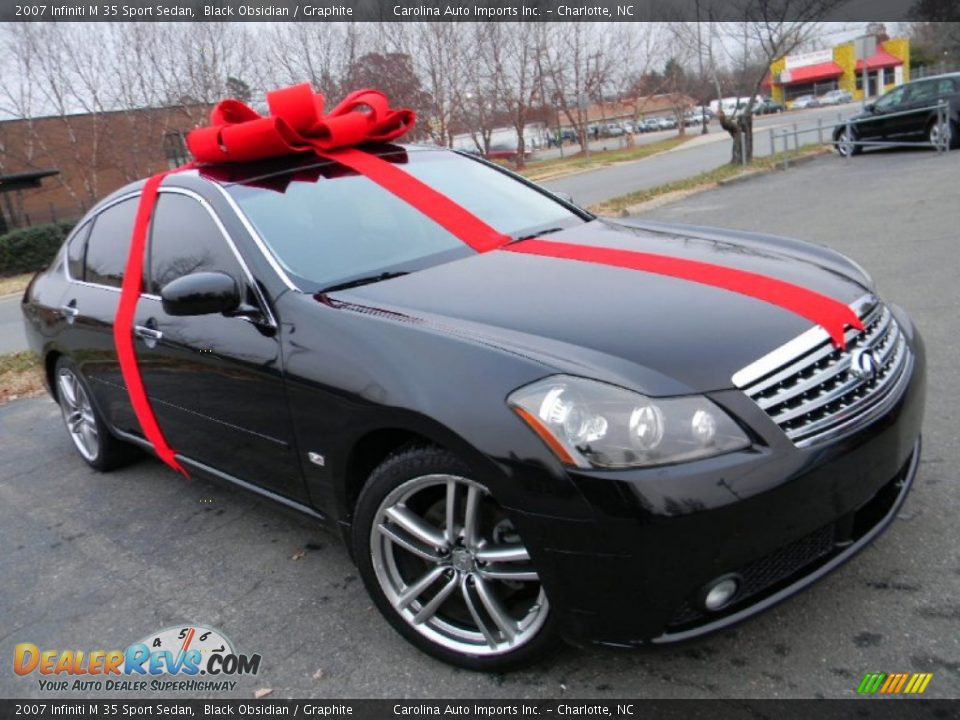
{"x": 955, "y": 75}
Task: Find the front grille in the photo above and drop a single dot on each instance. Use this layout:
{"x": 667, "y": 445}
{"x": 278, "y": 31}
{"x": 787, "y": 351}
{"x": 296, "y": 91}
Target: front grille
{"x": 811, "y": 393}
{"x": 769, "y": 570}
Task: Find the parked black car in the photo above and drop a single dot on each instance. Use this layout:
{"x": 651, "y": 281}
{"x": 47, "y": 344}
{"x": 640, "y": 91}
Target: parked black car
{"x": 767, "y": 107}
{"x": 885, "y": 119}
{"x": 516, "y": 448}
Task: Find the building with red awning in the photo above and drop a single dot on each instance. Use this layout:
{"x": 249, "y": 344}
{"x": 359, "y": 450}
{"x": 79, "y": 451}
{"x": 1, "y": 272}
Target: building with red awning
{"x": 818, "y": 72}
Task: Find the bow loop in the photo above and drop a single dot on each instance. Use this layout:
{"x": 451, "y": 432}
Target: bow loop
{"x": 296, "y": 123}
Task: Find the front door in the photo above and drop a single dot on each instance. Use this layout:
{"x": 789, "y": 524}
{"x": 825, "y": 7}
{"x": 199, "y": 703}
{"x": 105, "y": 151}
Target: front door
{"x": 215, "y": 382}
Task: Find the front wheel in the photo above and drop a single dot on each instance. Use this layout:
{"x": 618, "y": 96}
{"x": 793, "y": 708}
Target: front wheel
{"x": 446, "y": 567}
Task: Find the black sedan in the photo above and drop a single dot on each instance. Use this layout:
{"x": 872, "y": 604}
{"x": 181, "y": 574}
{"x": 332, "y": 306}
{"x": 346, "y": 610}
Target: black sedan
{"x": 908, "y": 113}
{"x": 516, "y": 448}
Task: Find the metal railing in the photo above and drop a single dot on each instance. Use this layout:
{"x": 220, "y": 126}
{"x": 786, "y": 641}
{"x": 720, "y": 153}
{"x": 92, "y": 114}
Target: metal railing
{"x": 941, "y": 143}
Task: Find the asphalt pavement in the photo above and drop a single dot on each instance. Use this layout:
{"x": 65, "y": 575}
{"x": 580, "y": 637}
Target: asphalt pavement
{"x": 96, "y": 561}
{"x": 12, "y": 337}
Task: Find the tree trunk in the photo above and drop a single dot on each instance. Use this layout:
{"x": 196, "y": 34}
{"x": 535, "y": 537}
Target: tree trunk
{"x": 740, "y": 129}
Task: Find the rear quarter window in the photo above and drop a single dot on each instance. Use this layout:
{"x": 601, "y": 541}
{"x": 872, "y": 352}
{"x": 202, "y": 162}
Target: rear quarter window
{"x": 75, "y": 251}
{"x": 109, "y": 242}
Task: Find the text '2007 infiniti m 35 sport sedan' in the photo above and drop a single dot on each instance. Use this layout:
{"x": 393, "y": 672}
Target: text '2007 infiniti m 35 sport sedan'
{"x": 519, "y": 447}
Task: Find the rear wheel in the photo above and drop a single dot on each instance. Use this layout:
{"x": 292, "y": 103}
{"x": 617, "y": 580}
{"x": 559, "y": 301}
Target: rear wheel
{"x": 446, "y": 566}
{"x": 844, "y": 141}
{"x": 941, "y": 135}
{"x": 89, "y": 433}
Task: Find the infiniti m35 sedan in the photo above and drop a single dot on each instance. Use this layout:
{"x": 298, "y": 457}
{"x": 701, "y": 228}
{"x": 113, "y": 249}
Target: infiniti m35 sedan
{"x": 517, "y": 449}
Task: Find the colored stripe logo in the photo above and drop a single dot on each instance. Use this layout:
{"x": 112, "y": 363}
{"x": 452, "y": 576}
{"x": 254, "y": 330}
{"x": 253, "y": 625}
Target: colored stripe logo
{"x": 894, "y": 683}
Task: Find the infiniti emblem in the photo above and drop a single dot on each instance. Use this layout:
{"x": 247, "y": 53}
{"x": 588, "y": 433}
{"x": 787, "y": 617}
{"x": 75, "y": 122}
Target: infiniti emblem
{"x": 864, "y": 364}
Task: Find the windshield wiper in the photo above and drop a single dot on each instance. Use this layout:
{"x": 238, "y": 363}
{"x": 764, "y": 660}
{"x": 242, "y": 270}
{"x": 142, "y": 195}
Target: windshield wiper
{"x": 538, "y": 233}
{"x": 363, "y": 281}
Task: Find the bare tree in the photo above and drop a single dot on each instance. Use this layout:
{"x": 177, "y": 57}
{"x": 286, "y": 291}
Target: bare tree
{"x": 767, "y": 30}
{"x": 510, "y": 53}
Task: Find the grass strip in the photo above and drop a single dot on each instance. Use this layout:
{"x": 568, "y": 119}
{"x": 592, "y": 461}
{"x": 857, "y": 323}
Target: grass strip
{"x": 704, "y": 181}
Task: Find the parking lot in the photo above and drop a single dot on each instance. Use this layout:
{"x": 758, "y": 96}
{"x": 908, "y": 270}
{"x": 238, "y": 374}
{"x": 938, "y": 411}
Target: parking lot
{"x": 96, "y": 561}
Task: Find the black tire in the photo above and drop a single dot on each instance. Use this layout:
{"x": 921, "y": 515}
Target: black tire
{"x": 413, "y": 465}
{"x": 842, "y": 148}
{"x": 952, "y": 136}
{"x": 108, "y": 452}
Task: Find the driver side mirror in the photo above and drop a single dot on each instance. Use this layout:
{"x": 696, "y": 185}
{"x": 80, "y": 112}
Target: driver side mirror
{"x": 200, "y": 293}
{"x": 870, "y": 107}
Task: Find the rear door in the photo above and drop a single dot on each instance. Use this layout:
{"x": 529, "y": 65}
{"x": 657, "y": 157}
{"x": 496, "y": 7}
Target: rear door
{"x": 96, "y": 257}
{"x": 918, "y": 98}
{"x": 216, "y": 382}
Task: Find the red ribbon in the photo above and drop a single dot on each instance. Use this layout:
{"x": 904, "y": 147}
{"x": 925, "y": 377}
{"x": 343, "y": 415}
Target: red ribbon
{"x": 297, "y": 124}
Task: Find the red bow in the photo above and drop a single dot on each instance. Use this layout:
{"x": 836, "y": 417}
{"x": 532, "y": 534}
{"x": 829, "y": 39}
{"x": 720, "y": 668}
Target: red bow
{"x": 296, "y": 124}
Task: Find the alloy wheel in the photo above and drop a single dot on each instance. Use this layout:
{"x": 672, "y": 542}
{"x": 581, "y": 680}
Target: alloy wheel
{"x": 939, "y": 135}
{"x": 844, "y": 143}
{"x": 78, "y": 414}
{"x": 453, "y": 567}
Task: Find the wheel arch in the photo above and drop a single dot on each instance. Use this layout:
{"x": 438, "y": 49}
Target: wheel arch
{"x": 377, "y": 444}
{"x": 49, "y": 369}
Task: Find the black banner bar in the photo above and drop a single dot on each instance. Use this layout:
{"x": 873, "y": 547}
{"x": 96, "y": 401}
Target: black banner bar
{"x": 871, "y": 708}
{"x": 442, "y": 10}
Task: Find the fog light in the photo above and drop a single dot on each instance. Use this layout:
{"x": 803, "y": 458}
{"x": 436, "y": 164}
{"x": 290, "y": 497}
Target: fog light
{"x": 719, "y": 593}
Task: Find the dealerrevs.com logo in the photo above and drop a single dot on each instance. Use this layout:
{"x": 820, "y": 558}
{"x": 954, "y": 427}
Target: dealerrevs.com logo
{"x": 192, "y": 658}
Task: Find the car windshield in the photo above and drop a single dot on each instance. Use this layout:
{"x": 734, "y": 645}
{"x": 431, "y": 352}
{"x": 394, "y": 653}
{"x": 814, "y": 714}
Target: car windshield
{"x": 328, "y": 226}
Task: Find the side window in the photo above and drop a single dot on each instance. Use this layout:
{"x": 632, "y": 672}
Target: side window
{"x": 109, "y": 242}
{"x": 921, "y": 92}
{"x": 892, "y": 98}
{"x": 946, "y": 86}
{"x": 184, "y": 239}
{"x": 75, "y": 250}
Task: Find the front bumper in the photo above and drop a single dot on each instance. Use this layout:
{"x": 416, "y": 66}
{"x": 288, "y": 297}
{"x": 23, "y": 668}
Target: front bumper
{"x": 777, "y": 516}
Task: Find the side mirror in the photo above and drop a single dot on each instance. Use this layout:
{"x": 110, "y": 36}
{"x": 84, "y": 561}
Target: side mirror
{"x": 200, "y": 293}
{"x": 870, "y": 107}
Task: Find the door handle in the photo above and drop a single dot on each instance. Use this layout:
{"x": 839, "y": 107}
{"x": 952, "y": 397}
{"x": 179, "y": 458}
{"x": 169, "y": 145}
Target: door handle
{"x": 148, "y": 333}
{"x": 70, "y": 310}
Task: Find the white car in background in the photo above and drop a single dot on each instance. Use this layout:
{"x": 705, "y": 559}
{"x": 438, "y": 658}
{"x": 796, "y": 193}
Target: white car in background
{"x": 835, "y": 97}
{"x": 804, "y": 101}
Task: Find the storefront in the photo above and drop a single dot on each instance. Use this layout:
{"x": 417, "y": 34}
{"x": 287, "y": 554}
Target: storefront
{"x": 837, "y": 68}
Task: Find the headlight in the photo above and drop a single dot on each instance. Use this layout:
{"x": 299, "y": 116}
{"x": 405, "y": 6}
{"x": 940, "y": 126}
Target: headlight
{"x": 589, "y": 423}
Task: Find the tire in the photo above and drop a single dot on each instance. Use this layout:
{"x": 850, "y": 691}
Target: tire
{"x": 466, "y": 612}
{"x": 933, "y": 133}
{"x": 91, "y": 437}
{"x": 843, "y": 148}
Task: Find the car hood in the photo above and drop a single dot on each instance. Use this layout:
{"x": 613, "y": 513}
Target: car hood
{"x": 602, "y": 321}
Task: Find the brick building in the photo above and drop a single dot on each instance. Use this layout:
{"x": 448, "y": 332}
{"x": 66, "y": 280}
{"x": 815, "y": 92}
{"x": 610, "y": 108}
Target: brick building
{"x": 94, "y": 153}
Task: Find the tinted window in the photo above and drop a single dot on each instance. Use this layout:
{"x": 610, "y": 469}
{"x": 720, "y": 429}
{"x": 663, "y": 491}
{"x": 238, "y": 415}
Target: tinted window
{"x": 108, "y": 244}
{"x": 78, "y": 243}
{"x": 185, "y": 239}
{"x": 894, "y": 97}
{"x": 946, "y": 86}
{"x": 921, "y": 92}
{"x": 343, "y": 226}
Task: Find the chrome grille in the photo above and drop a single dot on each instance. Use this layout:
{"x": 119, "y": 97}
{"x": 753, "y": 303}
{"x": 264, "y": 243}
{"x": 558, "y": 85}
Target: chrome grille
{"x": 807, "y": 387}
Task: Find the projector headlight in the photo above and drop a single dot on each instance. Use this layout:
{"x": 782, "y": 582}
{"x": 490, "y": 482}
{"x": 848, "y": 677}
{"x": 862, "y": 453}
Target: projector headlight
{"x": 589, "y": 423}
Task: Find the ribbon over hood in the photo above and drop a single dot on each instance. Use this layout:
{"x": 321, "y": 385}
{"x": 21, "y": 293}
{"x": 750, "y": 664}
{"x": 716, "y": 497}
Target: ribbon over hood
{"x": 297, "y": 124}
